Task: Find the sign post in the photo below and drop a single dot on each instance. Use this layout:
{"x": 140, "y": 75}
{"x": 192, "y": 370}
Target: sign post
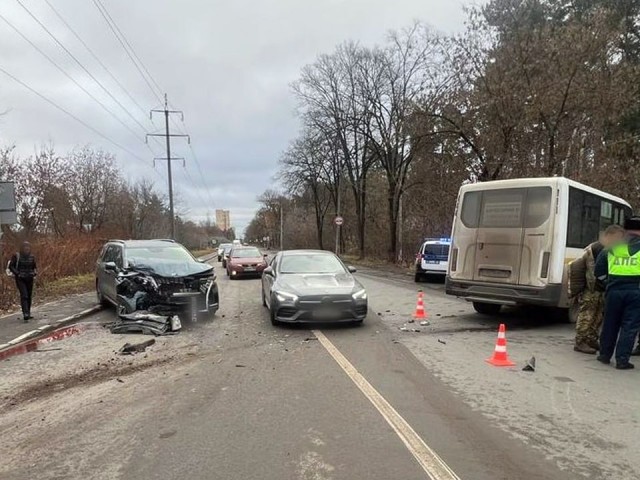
{"x": 8, "y": 214}
{"x": 338, "y": 221}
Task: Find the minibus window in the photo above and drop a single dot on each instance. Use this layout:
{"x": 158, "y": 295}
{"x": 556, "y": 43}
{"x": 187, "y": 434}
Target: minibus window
{"x": 538, "y": 206}
{"x": 470, "y": 214}
{"x": 502, "y": 208}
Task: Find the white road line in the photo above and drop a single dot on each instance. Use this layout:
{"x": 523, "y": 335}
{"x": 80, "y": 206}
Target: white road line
{"x": 431, "y": 463}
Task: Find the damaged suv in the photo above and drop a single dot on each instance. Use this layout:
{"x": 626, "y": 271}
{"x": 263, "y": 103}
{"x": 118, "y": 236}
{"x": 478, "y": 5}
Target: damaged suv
{"x": 155, "y": 276}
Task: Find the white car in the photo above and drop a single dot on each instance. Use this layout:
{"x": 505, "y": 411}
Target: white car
{"x": 221, "y": 250}
{"x": 432, "y": 258}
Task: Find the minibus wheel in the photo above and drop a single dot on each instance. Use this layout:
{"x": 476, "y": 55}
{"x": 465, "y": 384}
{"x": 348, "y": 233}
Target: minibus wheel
{"x": 572, "y": 312}
{"x": 487, "y": 308}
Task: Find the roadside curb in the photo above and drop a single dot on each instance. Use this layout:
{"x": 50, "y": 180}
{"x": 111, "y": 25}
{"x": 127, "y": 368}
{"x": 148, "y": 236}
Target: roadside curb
{"x": 46, "y": 333}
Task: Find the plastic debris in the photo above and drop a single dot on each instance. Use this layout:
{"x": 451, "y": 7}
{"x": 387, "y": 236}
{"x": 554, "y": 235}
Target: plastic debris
{"x": 142, "y": 321}
{"x": 424, "y": 323}
{"x": 530, "y": 366}
{"x": 130, "y": 349}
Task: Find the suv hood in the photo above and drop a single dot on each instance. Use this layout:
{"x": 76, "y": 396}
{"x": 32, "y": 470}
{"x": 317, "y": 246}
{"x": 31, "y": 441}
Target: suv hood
{"x": 174, "y": 269}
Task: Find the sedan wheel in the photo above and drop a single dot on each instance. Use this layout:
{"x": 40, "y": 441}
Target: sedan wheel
{"x": 272, "y": 313}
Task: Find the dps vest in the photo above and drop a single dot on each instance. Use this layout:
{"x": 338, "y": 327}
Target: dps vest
{"x": 622, "y": 263}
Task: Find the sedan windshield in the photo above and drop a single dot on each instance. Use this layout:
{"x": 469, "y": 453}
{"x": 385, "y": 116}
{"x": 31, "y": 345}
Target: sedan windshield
{"x": 311, "y": 263}
{"x": 245, "y": 253}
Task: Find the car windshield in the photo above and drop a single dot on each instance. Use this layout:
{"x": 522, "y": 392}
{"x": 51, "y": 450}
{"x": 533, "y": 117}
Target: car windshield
{"x": 170, "y": 260}
{"x": 227, "y": 248}
{"x": 245, "y": 253}
{"x": 311, "y": 263}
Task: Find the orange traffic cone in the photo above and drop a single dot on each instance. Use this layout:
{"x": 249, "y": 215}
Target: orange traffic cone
{"x": 420, "y": 313}
{"x": 499, "y": 357}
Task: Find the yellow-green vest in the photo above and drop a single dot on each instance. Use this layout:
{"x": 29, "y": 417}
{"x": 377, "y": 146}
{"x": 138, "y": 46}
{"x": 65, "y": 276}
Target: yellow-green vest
{"x": 622, "y": 264}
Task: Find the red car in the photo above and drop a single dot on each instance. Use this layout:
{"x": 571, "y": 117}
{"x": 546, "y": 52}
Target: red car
{"x": 245, "y": 261}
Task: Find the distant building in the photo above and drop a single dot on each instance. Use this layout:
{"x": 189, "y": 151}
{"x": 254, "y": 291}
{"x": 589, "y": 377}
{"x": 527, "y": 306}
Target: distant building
{"x": 223, "y": 220}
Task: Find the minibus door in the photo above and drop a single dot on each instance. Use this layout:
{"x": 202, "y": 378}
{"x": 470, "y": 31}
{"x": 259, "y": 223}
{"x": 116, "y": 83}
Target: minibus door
{"x": 500, "y": 236}
{"x": 538, "y": 237}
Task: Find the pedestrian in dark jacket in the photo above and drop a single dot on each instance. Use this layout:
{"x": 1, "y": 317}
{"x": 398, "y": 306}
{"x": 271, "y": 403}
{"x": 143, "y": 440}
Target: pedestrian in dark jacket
{"x": 23, "y": 267}
{"x": 619, "y": 268}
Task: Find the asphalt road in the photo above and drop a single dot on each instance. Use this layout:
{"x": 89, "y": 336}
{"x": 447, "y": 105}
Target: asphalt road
{"x": 237, "y": 398}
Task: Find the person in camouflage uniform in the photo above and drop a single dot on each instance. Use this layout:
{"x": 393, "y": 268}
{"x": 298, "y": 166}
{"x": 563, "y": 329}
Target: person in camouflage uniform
{"x": 588, "y": 293}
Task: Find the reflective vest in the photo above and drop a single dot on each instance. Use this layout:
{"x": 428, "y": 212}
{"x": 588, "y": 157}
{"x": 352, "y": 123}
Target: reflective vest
{"x": 622, "y": 264}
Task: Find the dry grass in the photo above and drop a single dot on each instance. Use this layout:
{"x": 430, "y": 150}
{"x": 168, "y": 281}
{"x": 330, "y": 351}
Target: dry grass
{"x": 68, "y": 286}
{"x": 377, "y": 263}
{"x": 201, "y": 253}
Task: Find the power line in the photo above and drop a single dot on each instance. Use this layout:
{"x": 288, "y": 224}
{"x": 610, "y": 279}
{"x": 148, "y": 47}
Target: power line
{"x": 129, "y": 51}
{"x": 96, "y": 58}
{"x": 149, "y": 79}
{"x": 77, "y": 119}
{"x": 64, "y": 72}
{"x": 193, "y": 184}
{"x": 80, "y": 64}
{"x": 198, "y": 166}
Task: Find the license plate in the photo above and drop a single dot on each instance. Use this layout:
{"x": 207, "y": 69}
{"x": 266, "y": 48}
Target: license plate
{"x": 326, "y": 314}
{"x": 432, "y": 262}
{"x": 249, "y": 269}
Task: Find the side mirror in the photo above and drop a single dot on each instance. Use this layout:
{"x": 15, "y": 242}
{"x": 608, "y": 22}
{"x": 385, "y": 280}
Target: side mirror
{"x": 265, "y": 255}
{"x": 268, "y": 271}
{"x": 351, "y": 269}
{"x": 111, "y": 267}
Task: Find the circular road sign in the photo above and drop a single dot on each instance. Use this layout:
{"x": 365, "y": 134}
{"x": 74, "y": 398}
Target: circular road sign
{"x": 339, "y": 221}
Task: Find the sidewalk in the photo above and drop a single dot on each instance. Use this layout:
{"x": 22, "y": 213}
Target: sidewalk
{"x": 12, "y": 325}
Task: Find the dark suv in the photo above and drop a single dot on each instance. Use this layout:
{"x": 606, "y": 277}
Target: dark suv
{"x": 154, "y": 275}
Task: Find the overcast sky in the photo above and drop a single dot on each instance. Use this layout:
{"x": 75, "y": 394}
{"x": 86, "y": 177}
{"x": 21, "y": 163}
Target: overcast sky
{"x": 226, "y": 64}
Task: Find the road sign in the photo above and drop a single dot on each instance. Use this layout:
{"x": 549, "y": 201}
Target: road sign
{"x": 338, "y": 221}
{"x": 7, "y": 203}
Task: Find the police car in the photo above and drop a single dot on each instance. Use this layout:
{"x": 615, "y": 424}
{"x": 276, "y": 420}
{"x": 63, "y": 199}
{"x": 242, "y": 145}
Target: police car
{"x": 432, "y": 258}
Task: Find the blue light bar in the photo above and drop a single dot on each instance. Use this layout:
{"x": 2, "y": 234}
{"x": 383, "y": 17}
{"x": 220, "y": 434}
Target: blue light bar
{"x": 441, "y": 240}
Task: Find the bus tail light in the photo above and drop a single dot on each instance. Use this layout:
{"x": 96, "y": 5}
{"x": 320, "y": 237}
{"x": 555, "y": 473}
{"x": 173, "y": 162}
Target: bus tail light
{"x": 544, "y": 271}
{"x": 454, "y": 259}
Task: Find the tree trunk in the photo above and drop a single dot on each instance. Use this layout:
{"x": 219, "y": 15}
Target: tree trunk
{"x": 393, "y": 220}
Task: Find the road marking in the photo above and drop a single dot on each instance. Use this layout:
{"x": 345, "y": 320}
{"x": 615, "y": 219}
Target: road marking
{"x": 431, "y": 463}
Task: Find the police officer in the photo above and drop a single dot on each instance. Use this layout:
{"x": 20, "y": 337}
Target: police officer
{"x": 619, "y": 268}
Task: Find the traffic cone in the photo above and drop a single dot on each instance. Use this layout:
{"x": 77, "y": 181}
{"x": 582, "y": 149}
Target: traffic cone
{"x": 420, "y": 313}
{"x": 499, "y": 357}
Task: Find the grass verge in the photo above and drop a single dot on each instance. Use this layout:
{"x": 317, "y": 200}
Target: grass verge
{"x": 202, "y": 253}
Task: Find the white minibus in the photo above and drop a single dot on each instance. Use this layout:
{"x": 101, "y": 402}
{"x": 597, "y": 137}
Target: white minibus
{"x": 513, "y": 239}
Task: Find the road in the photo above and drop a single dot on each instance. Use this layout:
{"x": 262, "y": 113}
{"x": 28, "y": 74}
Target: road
{"x": 237, "y": 398}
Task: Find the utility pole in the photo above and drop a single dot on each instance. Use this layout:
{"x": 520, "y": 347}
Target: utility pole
{"x": 338, "y": 227}
{"x": 400, "y": 228}
{"x": 169, "y": 159}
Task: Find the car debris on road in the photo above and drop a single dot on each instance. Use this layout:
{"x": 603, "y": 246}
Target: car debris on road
{"x": 530, "y": 366}
{"x": 132, "y": 348}
{"x": 146, "y": 322}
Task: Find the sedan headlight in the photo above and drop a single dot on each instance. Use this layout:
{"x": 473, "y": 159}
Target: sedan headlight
{"x": 360, "y": 295}
{"x": 286, "y": 297}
